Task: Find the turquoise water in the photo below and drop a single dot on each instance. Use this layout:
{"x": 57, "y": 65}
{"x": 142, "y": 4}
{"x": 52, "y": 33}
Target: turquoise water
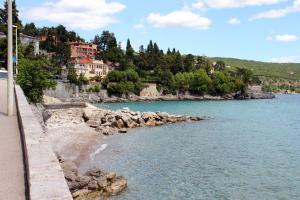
{"x": 249, "y": 150}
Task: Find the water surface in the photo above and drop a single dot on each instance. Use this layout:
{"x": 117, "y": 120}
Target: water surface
{"x": 249, "y": 150}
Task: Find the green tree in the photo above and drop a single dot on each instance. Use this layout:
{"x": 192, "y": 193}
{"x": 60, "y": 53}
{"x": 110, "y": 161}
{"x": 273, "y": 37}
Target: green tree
{"x": 72, "y": 75}
{"x": 183, "y": 81}
{"x": 82, "y": 80}
{"x": 15, "y": 14}
{"x": 222, "y": 84}
{"x": 129, "y": 51}
{"x": 62, "y": 56}
{"x": 189, "y": 63}
{"x": 34, "y": 79}
{"x": 31, "y": 30}
{"x": 200, "y": 83}
{"x": 108, "y": 49}
{"x": 220, "y": 65}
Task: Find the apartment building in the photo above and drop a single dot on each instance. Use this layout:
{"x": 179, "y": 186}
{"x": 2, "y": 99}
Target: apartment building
{"x": 82, "y": 50}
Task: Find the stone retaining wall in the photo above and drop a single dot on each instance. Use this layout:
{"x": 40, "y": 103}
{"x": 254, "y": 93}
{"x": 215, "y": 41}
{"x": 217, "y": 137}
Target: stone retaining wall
{"x": 65, "y": 105}
{"x": 45, "y": 178}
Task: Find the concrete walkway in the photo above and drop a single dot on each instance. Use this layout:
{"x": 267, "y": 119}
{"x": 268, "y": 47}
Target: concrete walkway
{"x": 12, "y": 185}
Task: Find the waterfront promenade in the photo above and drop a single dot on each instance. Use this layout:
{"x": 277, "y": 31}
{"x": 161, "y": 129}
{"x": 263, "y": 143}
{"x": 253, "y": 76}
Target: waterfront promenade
{"x": 12, "y": 184}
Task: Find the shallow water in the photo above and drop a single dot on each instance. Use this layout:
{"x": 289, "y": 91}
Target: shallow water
{"x": 249, "y": 150}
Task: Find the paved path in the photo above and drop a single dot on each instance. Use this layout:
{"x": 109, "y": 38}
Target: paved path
{"x": 11, "y": 160}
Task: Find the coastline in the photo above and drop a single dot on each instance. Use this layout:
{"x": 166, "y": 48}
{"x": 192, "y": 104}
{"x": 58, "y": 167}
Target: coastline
{"x": 134, "y": 98}
{"x": 95, "y": 98}
{"x": 74, "y": 133}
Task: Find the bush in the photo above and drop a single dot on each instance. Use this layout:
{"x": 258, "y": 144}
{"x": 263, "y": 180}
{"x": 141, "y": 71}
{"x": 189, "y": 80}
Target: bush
{"x": 34, "y": 79}
{"x": 200, "y": 82}
{"x": 222, "y": 84}
{"x": 120, "y": 88}
{"x": 95, "y": 89}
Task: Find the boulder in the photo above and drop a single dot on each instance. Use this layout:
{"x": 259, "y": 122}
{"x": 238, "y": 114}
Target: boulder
{"x": 93, "y": 172}
{"x": 80, "y": 193}
{"x": 141, "y": 121}
{"x": 83, "y": 181}
{"x": 118, "y": 124}
{"x": 93, "y": 185}
{"x": 70, "y": 170}
{"x": 119, "y": 184}
{"x": 151, "y": 122}
{"x": 110, "y": 175}
{"x": 163, "y": 115}
{"x": 147, "y": 116}
{"x": 159, "y": 123}
{"x": 123, "y": 130}
{"x": 102, "y": 181}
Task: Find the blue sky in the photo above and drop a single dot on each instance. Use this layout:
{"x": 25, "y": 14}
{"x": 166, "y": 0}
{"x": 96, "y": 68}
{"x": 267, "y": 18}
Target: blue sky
{"x": 265, "y": 30}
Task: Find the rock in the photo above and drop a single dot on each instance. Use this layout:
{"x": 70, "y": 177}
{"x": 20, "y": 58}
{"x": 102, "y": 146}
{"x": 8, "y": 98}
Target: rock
{"x": 146, "y": 116}
{"x": 80, "y": 193}
{"x": 93, "y": 172}
{"x": 135, "y": 118}
{"x": 110, "y": 175}
{"x": 195, "y": 118}
{"x": 162, "y": 115}
{"x": 102, "y": 181}
{"x": 123, "y": 130}
{"x": 160, "y": 123}
{"x": 151, "y": 122}
{"x": 83, "y": 181}
{"x": 118, "y": 124}
{"x": 93, "y": 185}
{"x": 70, "y": 170}
{"x": 141, "y": 121}
{"x": 119, "y": 184}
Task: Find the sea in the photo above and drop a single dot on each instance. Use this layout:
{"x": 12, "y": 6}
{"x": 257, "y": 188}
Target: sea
{"x": 247, "y": 149}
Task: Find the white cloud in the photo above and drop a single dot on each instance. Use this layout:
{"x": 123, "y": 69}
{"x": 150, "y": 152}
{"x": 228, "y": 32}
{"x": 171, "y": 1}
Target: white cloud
{"x": 234, "y": 21}
{"x": 86, "y": 15}
{"x": 220, "y": 4}
{"x": 182, "y": 18}
{"x": 287, "y": 59}
{"x": 277, "y": 13}
{"x": 139, "y": 26}
{"x": 284, "y": 38}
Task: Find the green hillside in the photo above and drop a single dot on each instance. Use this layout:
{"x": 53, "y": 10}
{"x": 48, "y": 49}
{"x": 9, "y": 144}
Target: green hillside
{"x": 272, "y": 70}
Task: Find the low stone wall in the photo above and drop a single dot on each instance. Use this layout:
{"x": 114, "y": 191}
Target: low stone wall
{"x": 65, "y": 105}
{"x": 45, "y": 178}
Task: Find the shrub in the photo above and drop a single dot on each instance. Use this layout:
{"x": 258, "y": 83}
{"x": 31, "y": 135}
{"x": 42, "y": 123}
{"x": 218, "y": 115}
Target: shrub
{"x": 33, "y": 79}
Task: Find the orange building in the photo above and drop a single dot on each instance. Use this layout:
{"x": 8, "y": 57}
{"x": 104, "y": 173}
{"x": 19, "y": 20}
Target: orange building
{"x": 43, "y": 38}
{"x": 82, "y": 50}
{"x": 91, "y": 68}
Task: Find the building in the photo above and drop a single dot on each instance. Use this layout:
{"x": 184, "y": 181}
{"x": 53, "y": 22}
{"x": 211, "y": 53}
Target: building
{"x": 90, "y": 67}
{"x": 82, "y": 50}
{"x": 43, "y": 38}
{"x": 27, "y": 40}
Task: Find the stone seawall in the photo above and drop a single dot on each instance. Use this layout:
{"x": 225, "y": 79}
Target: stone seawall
{"x": 45, "y": 178}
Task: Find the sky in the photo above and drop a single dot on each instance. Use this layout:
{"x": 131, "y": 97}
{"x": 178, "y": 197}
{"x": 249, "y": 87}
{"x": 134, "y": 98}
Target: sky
{"x": 264, "y": 30}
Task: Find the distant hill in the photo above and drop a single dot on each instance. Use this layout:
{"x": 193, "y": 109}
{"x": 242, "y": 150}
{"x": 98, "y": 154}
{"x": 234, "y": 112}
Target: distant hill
{"x": 272, "y": 70}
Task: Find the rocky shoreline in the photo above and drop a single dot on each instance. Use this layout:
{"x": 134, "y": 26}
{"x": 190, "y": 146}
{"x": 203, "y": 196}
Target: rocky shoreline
{"x": 74, "y": 131}
{"x": 110, "y": 122}
{"x": 94, "y": 184}
{"x": 94, "y": 98}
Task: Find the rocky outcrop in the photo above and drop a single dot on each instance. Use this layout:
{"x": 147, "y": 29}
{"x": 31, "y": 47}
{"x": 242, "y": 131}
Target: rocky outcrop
{"x": 93, "y": 184}
{"x": 256, "y": 92}
{"x": 109, "y": 122}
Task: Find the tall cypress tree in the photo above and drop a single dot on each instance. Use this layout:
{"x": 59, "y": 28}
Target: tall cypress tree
{"x": 129, "y": 50}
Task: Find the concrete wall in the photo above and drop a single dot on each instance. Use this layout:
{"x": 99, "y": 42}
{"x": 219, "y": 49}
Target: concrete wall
{"x": 62, "y": 91}
{"x": 45, "y": 177}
